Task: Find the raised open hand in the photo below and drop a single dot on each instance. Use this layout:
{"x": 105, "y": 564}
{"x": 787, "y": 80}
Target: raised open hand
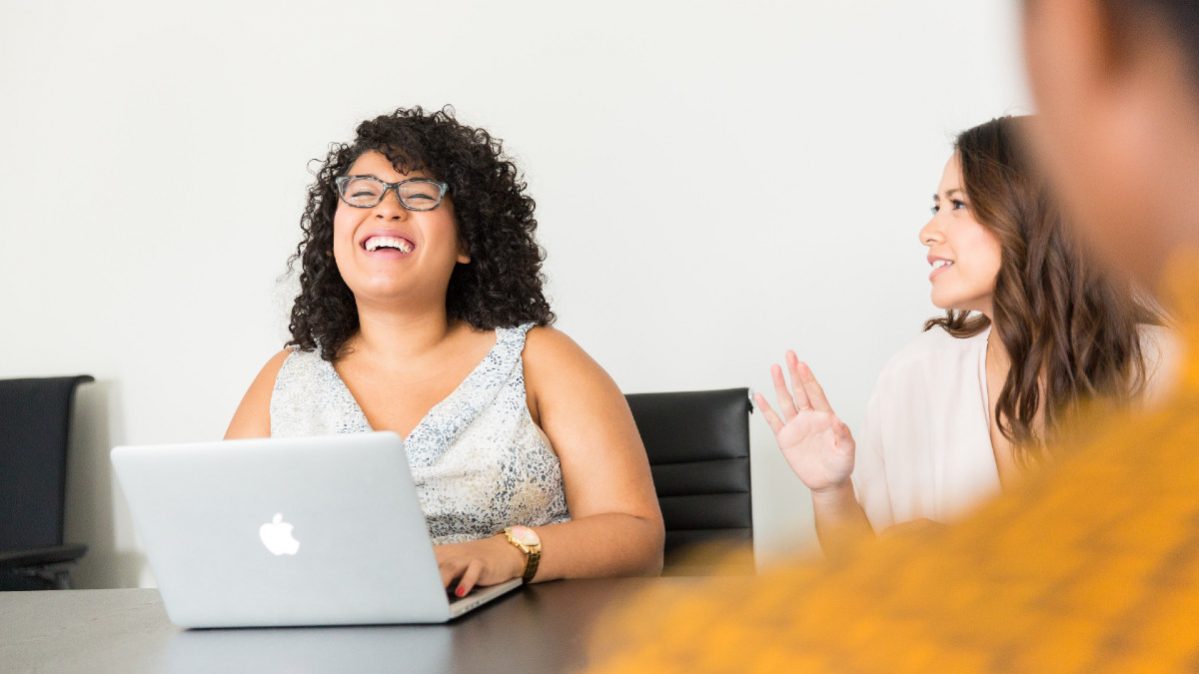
{"x": 816, "y": 444}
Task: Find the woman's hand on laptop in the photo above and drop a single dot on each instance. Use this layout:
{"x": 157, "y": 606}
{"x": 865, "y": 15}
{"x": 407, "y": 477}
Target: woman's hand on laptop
{"x": 487, "y": 561}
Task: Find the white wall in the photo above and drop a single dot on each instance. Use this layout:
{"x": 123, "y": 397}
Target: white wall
{"x": 153, "y": 168}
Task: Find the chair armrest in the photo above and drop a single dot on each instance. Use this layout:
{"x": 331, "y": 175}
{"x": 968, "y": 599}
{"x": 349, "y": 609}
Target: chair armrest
{"x": 54, "y": 554}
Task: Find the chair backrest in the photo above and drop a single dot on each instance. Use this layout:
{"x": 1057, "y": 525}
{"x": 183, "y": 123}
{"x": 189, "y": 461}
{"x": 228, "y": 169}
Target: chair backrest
{"x": 698, "y": 447}
{"x": 35, "y": 418}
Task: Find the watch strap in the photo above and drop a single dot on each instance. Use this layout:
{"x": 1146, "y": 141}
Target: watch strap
{"x": 532, "y": 554}
{"x": 532, "y": 559}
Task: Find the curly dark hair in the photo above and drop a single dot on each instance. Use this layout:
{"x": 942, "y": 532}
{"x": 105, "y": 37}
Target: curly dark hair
{"x": 1071, "y": 330}
{"x": 501, "y": 286}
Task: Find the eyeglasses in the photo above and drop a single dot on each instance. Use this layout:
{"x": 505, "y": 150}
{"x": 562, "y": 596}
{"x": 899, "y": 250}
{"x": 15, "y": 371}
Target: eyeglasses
{"x": 416, "y": 194}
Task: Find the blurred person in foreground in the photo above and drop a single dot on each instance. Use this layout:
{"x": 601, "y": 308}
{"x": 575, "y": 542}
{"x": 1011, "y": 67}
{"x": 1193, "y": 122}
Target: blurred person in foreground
{"x": 1092, "y": 565}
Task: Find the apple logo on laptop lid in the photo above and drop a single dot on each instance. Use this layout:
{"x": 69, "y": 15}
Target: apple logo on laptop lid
{"x": 276, "y": 536}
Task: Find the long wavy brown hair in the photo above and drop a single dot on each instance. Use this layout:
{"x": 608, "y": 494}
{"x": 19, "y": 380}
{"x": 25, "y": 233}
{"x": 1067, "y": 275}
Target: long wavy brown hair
{"x": 1070, "y": 330}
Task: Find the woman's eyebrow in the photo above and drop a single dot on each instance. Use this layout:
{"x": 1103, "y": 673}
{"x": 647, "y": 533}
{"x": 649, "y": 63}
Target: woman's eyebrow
{"x": 948, "y": 194}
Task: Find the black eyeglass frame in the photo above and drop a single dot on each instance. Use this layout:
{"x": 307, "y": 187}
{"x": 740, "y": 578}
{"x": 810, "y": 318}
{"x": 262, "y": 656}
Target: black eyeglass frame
{"x": 342, "y": 181}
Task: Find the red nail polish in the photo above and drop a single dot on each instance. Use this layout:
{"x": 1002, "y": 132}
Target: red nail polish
{"x": 461, "y": 591}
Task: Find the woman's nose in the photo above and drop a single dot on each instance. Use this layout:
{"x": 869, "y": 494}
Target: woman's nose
{"x": 390, "y": 208}
{"x": 930, "y": 233}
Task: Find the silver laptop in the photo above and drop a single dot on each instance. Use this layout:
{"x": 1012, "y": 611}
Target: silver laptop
{"x": 312, "y": 531}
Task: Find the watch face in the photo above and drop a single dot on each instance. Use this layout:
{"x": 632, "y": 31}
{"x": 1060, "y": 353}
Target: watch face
{"x": 526, "y": 536}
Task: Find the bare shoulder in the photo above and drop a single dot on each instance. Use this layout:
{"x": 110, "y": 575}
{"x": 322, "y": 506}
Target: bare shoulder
{"x": 270, "y": 371}
{"x": 558, "y": 373}
{"x": 551, "y": 354}
{"x": 253, "y": 416}
{"x": 544, "y": 343}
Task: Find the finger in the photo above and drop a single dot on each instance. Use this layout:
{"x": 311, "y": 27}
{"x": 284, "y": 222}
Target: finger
{"x": 786, "y": 403}
{"x": 813, "y": 389}
{"x": 801, "y": 396}
{"x": 450, "y": 569}
{"x": 776, "y": 424}
{"x": 469, "y": 578}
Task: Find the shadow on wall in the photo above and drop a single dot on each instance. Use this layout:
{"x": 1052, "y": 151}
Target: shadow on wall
{"x": 92, "y": 496}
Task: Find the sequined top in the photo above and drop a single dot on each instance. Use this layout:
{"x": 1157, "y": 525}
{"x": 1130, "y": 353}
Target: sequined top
{"x": 479, "y": 461}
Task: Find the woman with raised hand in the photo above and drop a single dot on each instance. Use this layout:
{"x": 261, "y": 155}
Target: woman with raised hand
{"x": 1032, "y": 330}
{"x": 421, "y": 312}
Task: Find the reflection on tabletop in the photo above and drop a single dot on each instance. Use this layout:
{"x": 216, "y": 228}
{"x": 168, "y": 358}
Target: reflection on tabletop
{"x": 542, "y": 627}
{"x": 311, "y": 649}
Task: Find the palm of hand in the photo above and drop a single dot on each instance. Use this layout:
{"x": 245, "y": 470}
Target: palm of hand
{"x": 819, "y": 454}
{"x": 816, "y": 444}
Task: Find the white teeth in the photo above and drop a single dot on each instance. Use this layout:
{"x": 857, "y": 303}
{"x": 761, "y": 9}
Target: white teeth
{"x": 376, "y": 242}
{"x": 942, "y": 263}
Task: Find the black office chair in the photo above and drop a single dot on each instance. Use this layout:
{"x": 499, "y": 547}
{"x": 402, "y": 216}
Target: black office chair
{"x": 698, "y": 447}
{"x": 35, "y": 417}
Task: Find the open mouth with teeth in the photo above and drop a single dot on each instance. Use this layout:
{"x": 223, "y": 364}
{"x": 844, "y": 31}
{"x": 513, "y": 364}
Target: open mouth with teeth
{"x": 375, "y": 243}
{"x": 939, "y": 266}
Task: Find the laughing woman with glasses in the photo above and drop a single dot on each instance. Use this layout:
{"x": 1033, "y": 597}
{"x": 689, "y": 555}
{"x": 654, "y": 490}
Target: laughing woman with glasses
{"x": 421, "y": 312}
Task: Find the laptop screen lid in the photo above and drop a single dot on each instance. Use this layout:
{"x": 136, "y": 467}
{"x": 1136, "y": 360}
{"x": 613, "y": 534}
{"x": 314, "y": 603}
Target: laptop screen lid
{"x": 310, "y": 531}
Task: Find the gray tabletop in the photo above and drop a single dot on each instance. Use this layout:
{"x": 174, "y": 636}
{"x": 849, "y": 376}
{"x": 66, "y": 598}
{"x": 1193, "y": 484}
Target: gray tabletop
{"x": 540, "y": 628}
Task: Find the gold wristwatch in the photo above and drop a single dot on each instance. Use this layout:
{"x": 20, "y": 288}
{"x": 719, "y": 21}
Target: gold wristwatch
{"x": 527, "y": 541}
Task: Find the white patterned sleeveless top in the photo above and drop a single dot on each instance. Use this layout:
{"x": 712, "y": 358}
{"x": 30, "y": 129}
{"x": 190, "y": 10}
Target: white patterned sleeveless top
{"x": 479, "y": 461}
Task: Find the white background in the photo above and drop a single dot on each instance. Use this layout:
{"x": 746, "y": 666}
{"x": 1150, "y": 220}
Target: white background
{"x": 154, "y": 159}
